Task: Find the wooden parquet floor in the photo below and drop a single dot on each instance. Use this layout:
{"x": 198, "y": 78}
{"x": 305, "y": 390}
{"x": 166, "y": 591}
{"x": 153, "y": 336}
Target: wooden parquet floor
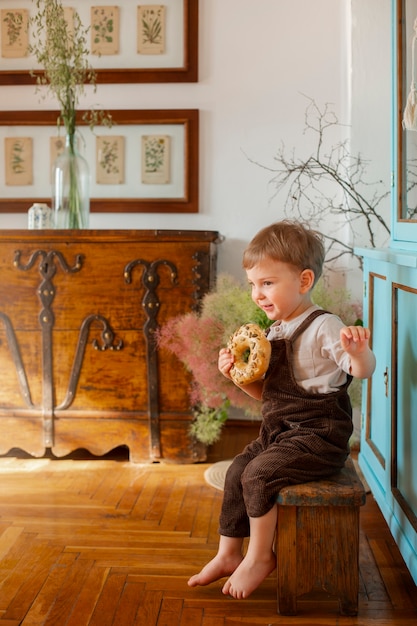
{"x": 108, "y": 543}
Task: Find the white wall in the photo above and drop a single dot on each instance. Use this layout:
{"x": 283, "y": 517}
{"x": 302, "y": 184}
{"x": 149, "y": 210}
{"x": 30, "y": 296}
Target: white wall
{"x": 257, "y": 58}
{"x": 371, "y": 101}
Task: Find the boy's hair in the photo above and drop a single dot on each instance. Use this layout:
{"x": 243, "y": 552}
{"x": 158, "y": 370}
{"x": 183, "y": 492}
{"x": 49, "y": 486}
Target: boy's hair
{"x": 289, "y": 242}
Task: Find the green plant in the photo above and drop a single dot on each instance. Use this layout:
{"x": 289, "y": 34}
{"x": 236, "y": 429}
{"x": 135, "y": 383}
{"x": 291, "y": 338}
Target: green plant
{"x": 208, "y": 423}
{"x": 337, "y": 300}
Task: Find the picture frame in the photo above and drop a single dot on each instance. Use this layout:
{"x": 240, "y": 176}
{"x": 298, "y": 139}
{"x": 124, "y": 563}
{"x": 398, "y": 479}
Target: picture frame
{"x": 178, "y": 194}
{"x": 178, "y": 63}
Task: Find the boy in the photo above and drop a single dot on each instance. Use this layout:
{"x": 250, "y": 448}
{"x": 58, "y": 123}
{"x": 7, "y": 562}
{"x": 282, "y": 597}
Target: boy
{"x": 306, "y": 411}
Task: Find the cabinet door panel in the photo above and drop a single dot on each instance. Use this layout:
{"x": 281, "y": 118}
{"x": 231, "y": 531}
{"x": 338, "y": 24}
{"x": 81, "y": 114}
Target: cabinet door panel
{"x": 377, "y": 424}
{"x": 405, "y": 423}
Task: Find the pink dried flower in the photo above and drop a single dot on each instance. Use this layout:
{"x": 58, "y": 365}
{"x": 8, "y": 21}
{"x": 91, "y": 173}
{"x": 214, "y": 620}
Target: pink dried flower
{"x": 196, "y": 338}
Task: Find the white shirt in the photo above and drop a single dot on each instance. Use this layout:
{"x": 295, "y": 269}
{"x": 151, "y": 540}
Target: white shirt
{"x": 320, "y": 364}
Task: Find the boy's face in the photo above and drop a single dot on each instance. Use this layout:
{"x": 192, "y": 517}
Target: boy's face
{"x": 280, "y": 289}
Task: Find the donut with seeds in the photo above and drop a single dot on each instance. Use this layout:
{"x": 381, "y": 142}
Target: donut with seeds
{"x": 251, "y": 351}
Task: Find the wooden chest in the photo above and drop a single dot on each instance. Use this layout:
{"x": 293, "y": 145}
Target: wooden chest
{"x": 79, "y": 367}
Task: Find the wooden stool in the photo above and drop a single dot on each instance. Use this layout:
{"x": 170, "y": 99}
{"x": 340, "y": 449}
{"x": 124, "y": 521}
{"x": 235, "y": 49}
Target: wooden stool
{"x": 317, "y": 543}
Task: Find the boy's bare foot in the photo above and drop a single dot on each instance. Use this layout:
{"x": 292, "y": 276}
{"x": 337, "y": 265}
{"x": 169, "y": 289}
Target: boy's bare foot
{"x": 217, "y": 568}
{"x": 248, "y": 576}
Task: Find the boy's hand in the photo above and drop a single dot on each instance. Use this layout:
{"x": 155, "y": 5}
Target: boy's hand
{"x": 225, "y": 362}
{"x": 354, "y": 339}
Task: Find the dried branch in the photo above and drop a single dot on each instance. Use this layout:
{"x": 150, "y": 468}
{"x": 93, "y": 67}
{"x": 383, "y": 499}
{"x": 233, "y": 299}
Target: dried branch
{"x": 329, "y": 183}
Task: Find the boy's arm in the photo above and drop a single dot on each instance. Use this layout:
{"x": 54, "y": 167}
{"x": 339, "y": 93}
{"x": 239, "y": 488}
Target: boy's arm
{"x": 355, "y": 341}
{"x": 253, "y": 389}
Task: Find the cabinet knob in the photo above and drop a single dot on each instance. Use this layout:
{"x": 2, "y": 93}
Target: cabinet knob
{"x": 386, "y": 381}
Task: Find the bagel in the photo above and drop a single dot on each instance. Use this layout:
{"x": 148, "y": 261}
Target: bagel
{"x": 251, "y": 351}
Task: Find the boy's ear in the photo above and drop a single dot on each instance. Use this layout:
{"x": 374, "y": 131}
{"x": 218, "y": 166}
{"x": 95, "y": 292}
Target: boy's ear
{"x": 306, "y": 280}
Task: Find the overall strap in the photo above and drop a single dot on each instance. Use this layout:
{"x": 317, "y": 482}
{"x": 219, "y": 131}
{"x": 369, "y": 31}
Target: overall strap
{"x": 301, "y": 328}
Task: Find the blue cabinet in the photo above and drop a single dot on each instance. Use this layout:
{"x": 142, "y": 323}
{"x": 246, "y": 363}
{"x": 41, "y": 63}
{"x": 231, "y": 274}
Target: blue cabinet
{"x": 388, "y": 454}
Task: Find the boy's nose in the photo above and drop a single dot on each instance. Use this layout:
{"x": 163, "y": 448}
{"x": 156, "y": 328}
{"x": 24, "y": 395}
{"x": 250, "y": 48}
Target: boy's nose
{"x": 257, "y": 294}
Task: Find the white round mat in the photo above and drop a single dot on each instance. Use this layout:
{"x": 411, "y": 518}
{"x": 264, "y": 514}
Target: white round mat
{"x": 215, "y": 474}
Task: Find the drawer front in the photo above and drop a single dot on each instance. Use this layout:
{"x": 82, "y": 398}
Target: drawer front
{"x": 82, "y": 279}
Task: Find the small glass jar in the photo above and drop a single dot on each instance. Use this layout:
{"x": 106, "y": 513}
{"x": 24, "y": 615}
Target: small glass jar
{"x": 40, "y": 216}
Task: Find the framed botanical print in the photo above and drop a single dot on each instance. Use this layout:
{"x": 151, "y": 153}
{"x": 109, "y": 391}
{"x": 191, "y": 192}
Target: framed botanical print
{"x": 131, "y": 42}
{"x": 146, "y": 162}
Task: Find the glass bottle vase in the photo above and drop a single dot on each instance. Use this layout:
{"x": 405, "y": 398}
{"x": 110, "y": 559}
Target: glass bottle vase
{"x": 71, "y": 188}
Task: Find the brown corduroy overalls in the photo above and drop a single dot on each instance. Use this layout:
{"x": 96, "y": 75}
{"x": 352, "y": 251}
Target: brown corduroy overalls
{"x": 303, "y": 436}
